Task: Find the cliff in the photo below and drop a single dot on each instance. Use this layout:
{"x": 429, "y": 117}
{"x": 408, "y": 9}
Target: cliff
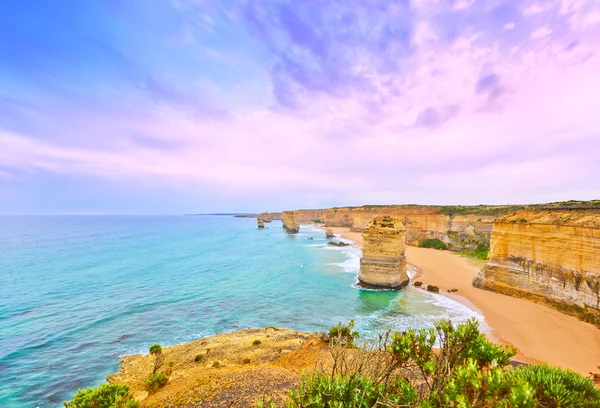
{"x": 461, "y": 228}
{"x": 245, "y": 371}
{"x": 383, "y": 264}
{"x": 290, "y": 222}
{"x": 551, "y": 256}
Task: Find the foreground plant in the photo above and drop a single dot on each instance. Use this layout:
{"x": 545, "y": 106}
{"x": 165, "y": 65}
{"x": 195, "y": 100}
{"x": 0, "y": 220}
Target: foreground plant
{"x": 445, "y": 366}
{"x": 104, "y": 396}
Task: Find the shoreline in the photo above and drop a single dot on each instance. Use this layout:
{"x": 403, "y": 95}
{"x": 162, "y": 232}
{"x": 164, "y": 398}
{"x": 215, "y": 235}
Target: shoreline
{"x": 539, "y": 333}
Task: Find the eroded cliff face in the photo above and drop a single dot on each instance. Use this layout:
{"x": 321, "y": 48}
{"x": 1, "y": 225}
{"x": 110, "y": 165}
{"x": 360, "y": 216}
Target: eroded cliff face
{"x": 461, "y": 232}
{"x": 383, "y": 264}
{"x": 290, "y": 222}
{"x": 549, "y": 256}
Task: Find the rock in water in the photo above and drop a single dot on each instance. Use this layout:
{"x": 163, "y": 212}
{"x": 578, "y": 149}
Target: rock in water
{"x": 329, "y": 234}
{"x": 290, "y": 222}
{"x": 383, "y": 265}
{"x": 260, "y": 222}
{"x": 338, "y": 244}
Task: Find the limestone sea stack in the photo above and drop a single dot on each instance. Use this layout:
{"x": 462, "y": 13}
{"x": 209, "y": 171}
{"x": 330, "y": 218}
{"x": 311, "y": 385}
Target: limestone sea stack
{"x": 260, "y": 222}
{"x": 329, "y": 234}
{"x": 266, "y": 217}
{"x": 290, "y": 222}
{"x": 548, "y": 256}
{"x": 383, "y": 264}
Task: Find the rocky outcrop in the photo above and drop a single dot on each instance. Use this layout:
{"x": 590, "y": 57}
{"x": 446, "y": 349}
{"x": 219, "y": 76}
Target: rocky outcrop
{"x": 268, "y": 217}
{"x": 329, "y": 234}
{"x": 383, "y": 264}
{"x": 290, "y": 222}
{"x": 260, "y": 222}
{"x": 338, "y": 244}
{"x": 461, "y": 228}
{"x": 549, "y": 256}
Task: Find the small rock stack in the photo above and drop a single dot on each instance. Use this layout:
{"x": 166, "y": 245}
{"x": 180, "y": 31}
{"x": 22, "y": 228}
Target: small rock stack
{"x": 261, "y": 224}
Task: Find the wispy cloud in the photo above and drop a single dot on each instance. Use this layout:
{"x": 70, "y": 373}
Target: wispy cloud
{"x": 396, "y": 101}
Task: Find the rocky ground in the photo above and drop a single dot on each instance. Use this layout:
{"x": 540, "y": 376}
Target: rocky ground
{"x": 246, "y": 370}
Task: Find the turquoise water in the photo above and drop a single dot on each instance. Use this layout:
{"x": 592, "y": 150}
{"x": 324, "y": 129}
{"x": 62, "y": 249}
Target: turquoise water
{"x": 78, "y": 292}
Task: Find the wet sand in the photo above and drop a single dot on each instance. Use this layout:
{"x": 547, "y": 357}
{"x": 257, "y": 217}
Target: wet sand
{"x": 539, "y": 333}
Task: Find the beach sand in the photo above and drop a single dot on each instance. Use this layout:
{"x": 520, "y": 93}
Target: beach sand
{"x": 541, "y": 334}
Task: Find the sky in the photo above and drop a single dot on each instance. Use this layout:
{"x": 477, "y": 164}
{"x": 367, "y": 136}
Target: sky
{"x": 188, "y": 106}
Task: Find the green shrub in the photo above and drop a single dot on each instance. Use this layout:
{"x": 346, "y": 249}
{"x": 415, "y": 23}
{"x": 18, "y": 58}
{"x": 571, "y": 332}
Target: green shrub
{"x": 156, "y": 351}
{"x": 104, "y": 396}
{"x": 341, "y": 334}
{"x": 555, "y": 387}
{"x": 156, "y": 381}
{"x": 322, "y": 391}
{"x": 216, "y": 364}
{"x": 480, "y": 252}
{"x": 433, "y": 243}
{"x": 444, "y": 366}
{"x": 256, "y": 342}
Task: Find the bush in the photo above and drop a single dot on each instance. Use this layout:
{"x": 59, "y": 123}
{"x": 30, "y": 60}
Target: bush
{"x": 256, "y": 342}
{"x": 342, "y": 335}
{"x": 104, "y": 396}
{"x": 433, "y": 243}
{"x": 322, "y": 391}
{"x": 445, "y": 366}
{"x": 156, "y": 351}
{"x": 559, "y": 388}
{"x": 156, "y": 381}
{"x": 216, "y": 364}
{"x": 480, "y": 252}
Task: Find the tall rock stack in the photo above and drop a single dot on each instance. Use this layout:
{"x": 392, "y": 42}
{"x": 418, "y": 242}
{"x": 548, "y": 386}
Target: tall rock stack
{"x": 548, "y": 256}
{"x": 383, "y": 265}
{"x": 290, "y": 222}
{"x": 260, "y": 222}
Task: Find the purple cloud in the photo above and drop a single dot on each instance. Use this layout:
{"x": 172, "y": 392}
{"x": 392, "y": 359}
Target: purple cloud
{"x": 322, "y": 103}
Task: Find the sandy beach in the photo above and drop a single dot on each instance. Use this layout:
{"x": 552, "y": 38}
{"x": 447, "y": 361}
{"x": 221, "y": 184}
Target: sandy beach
{"x": 539, "y": 333}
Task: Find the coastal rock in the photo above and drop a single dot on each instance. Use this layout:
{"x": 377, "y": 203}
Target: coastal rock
{"x": 329, "y": 234}
{"x": 290, "y": 222}
{"x": 338, "y": 244}
{"x": 260, "y": 222}
{"x": 383, "y": 264}
{"x": 432, "y": 288}
{"x": 246, "y": 372}
{"x": 548, "y": 256}
{"x": 266, "y": 217}
{"x": 418, "y": 284}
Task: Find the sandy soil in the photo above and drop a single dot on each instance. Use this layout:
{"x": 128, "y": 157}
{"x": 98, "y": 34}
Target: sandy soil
{"x": 538, "y": 332}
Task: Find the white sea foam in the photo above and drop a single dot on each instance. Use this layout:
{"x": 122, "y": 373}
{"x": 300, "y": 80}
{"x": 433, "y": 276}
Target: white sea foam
{"x": 453, "y": 310}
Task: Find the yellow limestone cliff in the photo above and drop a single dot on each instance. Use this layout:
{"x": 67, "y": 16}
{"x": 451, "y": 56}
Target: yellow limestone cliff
{"x": 290, "y": 222}
{"x": 461, "y": 228}
{"x": 383, "y": 264}
{"x": 548, "y": 256}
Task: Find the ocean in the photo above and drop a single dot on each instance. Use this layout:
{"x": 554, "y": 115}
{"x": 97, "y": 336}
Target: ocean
{"x": 77, "y": 292}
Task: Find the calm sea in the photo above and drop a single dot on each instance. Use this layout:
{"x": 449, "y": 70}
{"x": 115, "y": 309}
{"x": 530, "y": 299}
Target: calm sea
{"x": 78, "y": 292}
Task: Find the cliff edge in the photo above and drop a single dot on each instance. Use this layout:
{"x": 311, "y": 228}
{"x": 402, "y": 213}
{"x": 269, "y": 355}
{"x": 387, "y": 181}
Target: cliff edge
{"x": 550, "y": 256}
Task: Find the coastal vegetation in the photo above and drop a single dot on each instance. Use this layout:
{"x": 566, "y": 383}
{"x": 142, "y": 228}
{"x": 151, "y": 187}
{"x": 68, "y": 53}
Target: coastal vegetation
{"x": 445, "y": 366}
{"x": 104, "y": 396}
{"x": 156, "y": 381}
{"x": 156, "y": 351}
{"x": 433, "y": 243}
